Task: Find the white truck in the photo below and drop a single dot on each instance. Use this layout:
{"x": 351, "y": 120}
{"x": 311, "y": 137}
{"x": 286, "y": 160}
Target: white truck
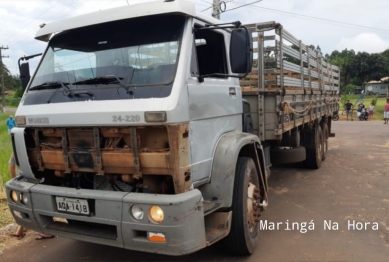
{"x": 135, "y": 130}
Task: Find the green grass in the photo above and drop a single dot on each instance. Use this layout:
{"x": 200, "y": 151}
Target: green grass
{"x": 5, "y": 150}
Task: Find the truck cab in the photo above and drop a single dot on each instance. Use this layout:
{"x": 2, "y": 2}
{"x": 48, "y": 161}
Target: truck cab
{"x": 129, "y": 132}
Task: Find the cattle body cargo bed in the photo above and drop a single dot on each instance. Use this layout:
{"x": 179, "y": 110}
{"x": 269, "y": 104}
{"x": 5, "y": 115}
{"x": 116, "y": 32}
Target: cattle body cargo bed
{"x": 290, "y": 83}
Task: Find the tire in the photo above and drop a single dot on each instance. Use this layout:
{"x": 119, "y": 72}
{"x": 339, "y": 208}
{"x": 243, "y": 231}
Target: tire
{"x": 335, "y": 117}
{"x": 315, "y": 152}
{"x": 287, "y": 156}
{"x": 244, "y": 234}
{"x": 326, "y": 135}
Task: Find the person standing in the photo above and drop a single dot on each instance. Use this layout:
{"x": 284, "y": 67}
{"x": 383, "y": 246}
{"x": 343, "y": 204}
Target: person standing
{"x": 386, "y": 112}
{"x": 371, "y": 111}
{"x": 10, "y": 123}
{"x": 349, "y": 109}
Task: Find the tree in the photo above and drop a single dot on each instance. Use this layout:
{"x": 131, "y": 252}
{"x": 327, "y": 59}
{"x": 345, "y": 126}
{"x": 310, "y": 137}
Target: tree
{"x": 11, "y": 82}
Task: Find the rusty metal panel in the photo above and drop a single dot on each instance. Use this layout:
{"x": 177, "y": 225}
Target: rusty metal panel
{"x": 124, "y": 151}
{"x": 178, "y": 160}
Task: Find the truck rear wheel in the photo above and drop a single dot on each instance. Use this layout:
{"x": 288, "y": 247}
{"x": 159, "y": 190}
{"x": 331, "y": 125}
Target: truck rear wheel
{"x": 243, "y": 237}
{"x": 287, "y": 156}
{"x": 315, "y": 150}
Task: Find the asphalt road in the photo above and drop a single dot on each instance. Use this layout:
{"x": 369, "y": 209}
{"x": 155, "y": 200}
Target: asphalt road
{"x": 352, "y": 184}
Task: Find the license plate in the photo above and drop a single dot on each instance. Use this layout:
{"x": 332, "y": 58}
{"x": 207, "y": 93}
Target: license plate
{"x": 72, "y": 205}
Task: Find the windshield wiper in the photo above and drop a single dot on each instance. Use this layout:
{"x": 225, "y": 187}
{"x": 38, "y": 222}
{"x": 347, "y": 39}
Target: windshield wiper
{"x": 109, "y": 79}
{"x": 65, "y": 90}
{"x": 49, "y": 85}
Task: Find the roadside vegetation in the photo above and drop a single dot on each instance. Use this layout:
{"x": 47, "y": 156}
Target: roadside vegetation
{"x": 358, "y": 68}
{"x": 13, "y": 98}
{"x": 5, "y": 151}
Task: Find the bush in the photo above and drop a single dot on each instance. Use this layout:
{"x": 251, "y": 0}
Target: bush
{"x": 350, "y": 88}
{"x": 374, "y": 100}
{"x": 12, "y": 101}
{"x": 18, "y": 93}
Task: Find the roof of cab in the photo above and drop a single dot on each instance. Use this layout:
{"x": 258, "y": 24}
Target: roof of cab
{"x": 119, "y": 13}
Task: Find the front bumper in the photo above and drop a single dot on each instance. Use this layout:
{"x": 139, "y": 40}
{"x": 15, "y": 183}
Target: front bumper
{"x": 110, "y": 221}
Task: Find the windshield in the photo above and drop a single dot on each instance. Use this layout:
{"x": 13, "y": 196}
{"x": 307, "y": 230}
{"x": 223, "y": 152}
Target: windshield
{"x": 140, "y": 52}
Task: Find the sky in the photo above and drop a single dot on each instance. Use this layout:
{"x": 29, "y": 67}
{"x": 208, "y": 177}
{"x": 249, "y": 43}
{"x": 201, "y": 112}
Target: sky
{"x": 331, "y": 24}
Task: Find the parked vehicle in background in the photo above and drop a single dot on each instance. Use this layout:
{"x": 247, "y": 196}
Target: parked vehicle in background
{"x": 135, "y": 131}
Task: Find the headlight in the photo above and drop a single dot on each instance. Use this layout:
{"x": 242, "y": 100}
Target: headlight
{"x": 137, "y": 212}
{"x": 156, "y": 214}
{"x": 14, "y": 196}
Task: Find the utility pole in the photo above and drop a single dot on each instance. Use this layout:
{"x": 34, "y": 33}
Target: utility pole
{"x": 216, "y": 9}
{"x": 2, "y": 79}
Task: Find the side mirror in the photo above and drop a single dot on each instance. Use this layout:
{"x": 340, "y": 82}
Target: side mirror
{"x": 24, "y": 71}
{"x": 241, "y": 51}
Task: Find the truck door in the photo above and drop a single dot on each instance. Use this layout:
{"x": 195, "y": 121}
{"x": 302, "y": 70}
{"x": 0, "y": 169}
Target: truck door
{"x": 215, "y": 105}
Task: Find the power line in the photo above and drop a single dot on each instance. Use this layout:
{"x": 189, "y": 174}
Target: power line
{"x": 64, "y": 15}
{"x": 35, "y": 18}
{"x": 242, "y": 5}
{"x": 56, "y": 18}
{"x": 329, "y": 20}
{"x": 315, "y": 18}
{"x": 18, "y": 38}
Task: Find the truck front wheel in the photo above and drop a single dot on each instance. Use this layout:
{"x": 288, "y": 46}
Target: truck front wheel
{"x": 243, "y": 237}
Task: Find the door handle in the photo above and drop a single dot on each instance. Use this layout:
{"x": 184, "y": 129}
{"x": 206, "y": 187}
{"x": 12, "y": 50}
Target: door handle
{"x": 232, "y": 92}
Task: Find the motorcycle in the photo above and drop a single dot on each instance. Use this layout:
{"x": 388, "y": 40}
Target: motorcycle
{"x": 364, "y": 115}
{"x": 335, "y": 116}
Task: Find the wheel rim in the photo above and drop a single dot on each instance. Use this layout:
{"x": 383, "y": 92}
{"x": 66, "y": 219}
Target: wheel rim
{"x": 325, "y": 146}
{"x": 320, "y": 143}
{"x": 325, "y": 140}
{"x": 253, "y": 211}
{"x": 319, "y": 148}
